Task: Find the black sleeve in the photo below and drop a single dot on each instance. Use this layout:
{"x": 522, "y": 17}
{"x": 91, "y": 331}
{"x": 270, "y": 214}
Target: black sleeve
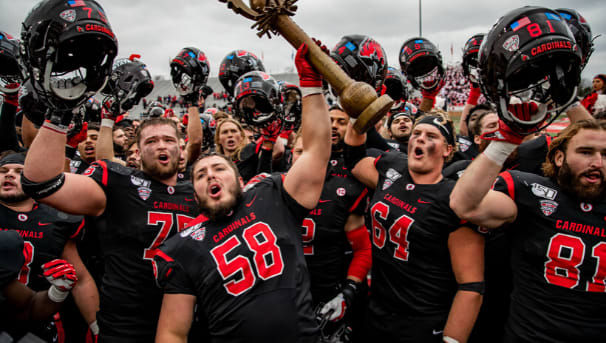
{"x": 375, "y": 140}
{"x": 265, "y": 161}
{"x": 11, "y": 256}
{"x": 8, "y": 133}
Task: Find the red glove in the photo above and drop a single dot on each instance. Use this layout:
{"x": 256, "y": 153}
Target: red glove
{"x": 523, "y": 111}
{"x": 185, "y": 119}
{"x": 60, "y": 274}
{"x": 107, "y": 112}
{"x": 589, "y": 101}
{"x": 504, "y": 134}
{"x": 308, "y": 75}
{"x": 78, "y": 137}
{"x": 474, "y": 95}
{"x": 431, "y": 93}
{"x": 270, "y": 133}
{"x": 12, "y": 99}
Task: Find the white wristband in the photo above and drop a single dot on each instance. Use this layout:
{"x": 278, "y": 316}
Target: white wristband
{"x": 498, "y": 151}
{"x": 107, "y": 123}
{"x": 305, "y": 91}
{"x": 57, "y": 295}
{"x": 94, "y": 328}
{"x": 448, "y": 339}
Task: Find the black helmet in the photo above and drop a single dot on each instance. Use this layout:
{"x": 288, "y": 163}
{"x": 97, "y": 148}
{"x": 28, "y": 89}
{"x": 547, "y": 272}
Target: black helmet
{"x": 470, "y": 58}
{"x": 257, "y": 99}
{"x": 580, "y": 30}
{"x": 236, "y": 64}
{"x": 362, "y": 58}
{"x": 395, "y": 84}
{"x": 189, "y": 70}
{"x": 68, "y": 48}
{"x": 10, "y": 70}
{"x": 155, "y": 109}
{"x": 129, "y": 82}
{"x": 291, "y": 105}
{"x": 91, "y": 110}
{"x": 530, "y": 54}
{"x": 421, "y": 62}
{"x": 31, "y": 105}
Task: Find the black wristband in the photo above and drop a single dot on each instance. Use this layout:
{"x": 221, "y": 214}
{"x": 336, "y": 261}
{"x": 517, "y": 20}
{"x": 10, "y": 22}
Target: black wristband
{"x": 477, "y": 287}
{"x": 70, "y": 152}
{"x": 353, "y": 155}
{"x": 39, "y": 190}
{"x": 349, "y": 290}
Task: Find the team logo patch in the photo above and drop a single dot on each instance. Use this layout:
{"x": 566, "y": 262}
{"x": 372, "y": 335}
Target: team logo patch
{"x": 463, "y": 146}
{"x": 199, "y": 234}
{"x": 543, "y": 191}
{"x": 341, "y": 191}
{"x": 144, "y": 192}
{"x": 89, "y": 171}
{"x": 137, "y": 181}
{"x": 180, "y": 175}
{"x": 68, "y": 15}
{"x": 585, "y": 207}
{"x": 170, "y": 190}
{"x": 410, "y": 186}
{"x": 333, "y": 162}
{"x": 548, "y": 207}
{"x": 460, "y": 173}
{"x": 512, "y": 43}
{"x": 392, "y": 176}
{"x": 22, "y": 217}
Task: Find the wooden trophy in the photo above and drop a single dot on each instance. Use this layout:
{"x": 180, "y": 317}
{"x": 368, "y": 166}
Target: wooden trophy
{"x": 358, "y": 99}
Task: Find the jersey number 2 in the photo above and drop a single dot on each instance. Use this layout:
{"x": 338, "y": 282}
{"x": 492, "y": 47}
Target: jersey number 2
{"x": 267, "y": 259}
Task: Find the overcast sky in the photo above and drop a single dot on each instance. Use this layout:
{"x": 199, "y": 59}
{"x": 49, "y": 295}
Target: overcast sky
{"x": 158, "y": 29}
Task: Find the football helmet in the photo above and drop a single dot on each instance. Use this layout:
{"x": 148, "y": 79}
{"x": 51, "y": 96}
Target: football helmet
{"x": 189, "y": 70}
{"x": 530, "y": 56}
{"x": 362, "y": 58}
{"x": 31, "y": 105}
{"x": 91, "y": 110}
{"x": 257, "y": 99}
{"x": 209, "y": 126}
{"x": 236, "y": 64}
{"x": 395, "y": 84}
{"x": 156, "y": 109}
{"x": 291, "y": 105}
{"x": 68, "y": 48}
{"x": 421, "y": 62}
{"x": 580, "y": 30}
{"x": 129, "y": 82}
{"x": 10, "y": 70}
{"x": 470, "y": 58}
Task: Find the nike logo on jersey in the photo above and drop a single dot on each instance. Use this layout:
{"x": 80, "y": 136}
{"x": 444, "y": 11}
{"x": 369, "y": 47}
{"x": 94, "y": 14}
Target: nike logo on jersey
{"x": 323, "y": 201}
{"x": 43, "y": 224}
{"x": 251, "y": 202}
{"x": 435, "y": 333}
{"x": 423, "y": 202}
{"x": 188, "y": 199}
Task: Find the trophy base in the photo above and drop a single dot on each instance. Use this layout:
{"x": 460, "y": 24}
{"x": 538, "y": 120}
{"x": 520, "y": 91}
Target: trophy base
{"x": 373, "y": 113}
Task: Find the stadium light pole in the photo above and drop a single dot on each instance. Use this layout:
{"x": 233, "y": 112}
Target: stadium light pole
{"x": 420, "y": 21}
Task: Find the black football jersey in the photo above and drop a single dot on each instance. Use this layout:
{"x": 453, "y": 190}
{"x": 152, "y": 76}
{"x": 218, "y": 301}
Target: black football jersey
{"x": 140, "y": 214}
{"x": 11, "y": 257}
{"x": 324, "y": 241}
{"x": 45, "y": 232}
{"x": 184, "y": 176}
{"x": 411, "y": 223}
{"x": 531, "y": 155}
{"x": 77, "y": 165}
{"x": 247, "y": 270}
{"x": 397, "y": 146}
{"x": 558, "y": 262}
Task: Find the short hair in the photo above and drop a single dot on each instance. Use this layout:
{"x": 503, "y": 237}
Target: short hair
{"x": 220, "y": 115}
{"x": 476, "y": 128}
{"x": 93, "y": 126}
{"x": 485, "y": 107}
{"x": 230, "y": 163}
{"x": 152, "y": 122}
{"x": 550, "y": 169}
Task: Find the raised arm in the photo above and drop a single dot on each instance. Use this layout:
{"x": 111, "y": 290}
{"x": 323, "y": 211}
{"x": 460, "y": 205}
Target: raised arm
{"x": 43, "y": 174}
{"x": 362, "y": 167}
{"x": 193, "y": 148}
{"x": 305, "y": 179}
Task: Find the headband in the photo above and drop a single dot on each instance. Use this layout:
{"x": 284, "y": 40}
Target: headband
{"x": 435, "y": 121}
{"x": 14, "y": 158}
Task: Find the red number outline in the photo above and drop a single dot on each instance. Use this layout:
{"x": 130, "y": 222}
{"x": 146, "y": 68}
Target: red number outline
{"x": 308, "y": 235}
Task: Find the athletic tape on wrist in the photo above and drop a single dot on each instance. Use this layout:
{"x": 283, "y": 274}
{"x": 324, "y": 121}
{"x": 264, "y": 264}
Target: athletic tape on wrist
{"x": 94, "y": 328}
{"x": 107, "y": 122}
{"x": 55, "y": 128}
{"x": 305, "y": 91}
{"x": 448, "y": 339}
{"x": 498, "y": 151}
{"x": 57, "y": 295}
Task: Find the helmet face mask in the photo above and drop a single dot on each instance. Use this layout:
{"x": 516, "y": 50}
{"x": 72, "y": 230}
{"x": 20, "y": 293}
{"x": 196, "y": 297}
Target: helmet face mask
{"x": 257, "y": 99}
{"x": 291, "y": 105}
{"x": 421, "y": 61}
{"x": 68, "y": 49}
{"x": 236, "y": 64}
{"x": 470, "y": 58}
{"x": 530, "y": 56}
{"x": 396, "y": 85}
{"x": 189, "y": 70}
{"x": 10, "y": 70}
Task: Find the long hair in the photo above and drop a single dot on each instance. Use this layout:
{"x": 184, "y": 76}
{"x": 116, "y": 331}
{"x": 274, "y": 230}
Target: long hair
{"x": 236, "y": 154}
{"x": 550, "y": 169}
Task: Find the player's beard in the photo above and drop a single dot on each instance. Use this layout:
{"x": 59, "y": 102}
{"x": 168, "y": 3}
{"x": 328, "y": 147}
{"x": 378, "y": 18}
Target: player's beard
{"x": 572, "y": 185}
{"x": 224, "y": 209}
{"x": 158, "y": 171}
{"x": 13, "y": 198}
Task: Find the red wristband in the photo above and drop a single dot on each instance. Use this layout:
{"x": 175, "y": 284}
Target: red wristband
{"x": 362, "y": 252}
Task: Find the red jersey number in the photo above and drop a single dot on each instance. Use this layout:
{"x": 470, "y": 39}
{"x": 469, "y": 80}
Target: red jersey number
{"x": 28, "y": 253}
{"x": 166, "y": 221}
{"x": 398, "y": 232}
{"x": 309, "y": 232}
{"x": 266, "y": 263}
